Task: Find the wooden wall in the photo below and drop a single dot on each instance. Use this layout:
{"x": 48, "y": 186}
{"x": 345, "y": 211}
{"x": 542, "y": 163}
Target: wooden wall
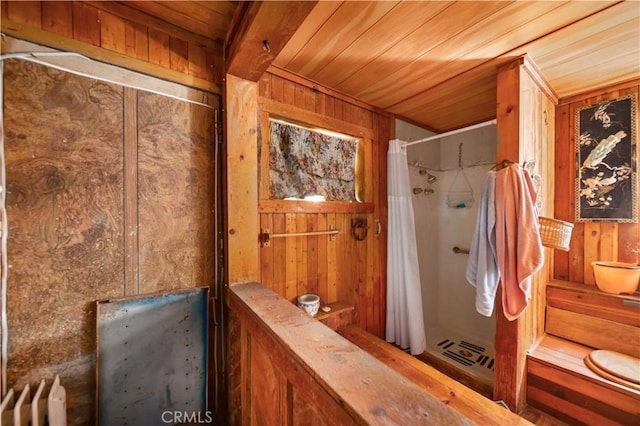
{"x": 113, "y": 33}
{"x": 595, "y": 240}
{"x": 109, "y": 194}
{"x": 343, "y": 269}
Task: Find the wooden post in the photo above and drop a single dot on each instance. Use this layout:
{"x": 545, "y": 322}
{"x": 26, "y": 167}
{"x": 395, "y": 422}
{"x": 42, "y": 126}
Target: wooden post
{"x": 524, "y": 105}
{"x": 242, "y": 177}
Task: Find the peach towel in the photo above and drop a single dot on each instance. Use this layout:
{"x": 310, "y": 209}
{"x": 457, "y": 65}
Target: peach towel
{"x": 519, "y": 251}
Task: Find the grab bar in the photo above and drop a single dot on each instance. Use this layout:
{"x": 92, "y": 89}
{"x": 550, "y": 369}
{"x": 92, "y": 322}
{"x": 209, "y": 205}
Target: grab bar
{"x": 458, "y": 250}
{"x": 266, "y": 236}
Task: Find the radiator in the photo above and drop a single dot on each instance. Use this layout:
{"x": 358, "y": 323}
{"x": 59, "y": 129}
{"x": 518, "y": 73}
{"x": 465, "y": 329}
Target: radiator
{"x": 41, "y": 410}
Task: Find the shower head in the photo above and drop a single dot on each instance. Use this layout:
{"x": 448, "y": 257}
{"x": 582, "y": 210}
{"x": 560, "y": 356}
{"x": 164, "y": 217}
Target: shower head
{"x": 430, "y": 178}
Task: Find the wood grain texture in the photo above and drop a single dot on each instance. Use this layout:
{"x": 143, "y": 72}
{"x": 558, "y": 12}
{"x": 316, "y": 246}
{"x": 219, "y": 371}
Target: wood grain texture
{"x": 344, "y": 383}
{"x": 65, "y": 184}
{"x": 242, "y": 174}
{"x": 594, "y": 332}
{"x": 246, "y": 54}
{"x": 77, "y": 176}
{"x": 587, "y": 300}
{"x": 523, "y": 135}
{"x": 175, "y": 193}
{"x": 121, "y": 35}
{"x": 340, "y": 269}
{"x": 477, "y": 408}
{"x": 562, "y": 385}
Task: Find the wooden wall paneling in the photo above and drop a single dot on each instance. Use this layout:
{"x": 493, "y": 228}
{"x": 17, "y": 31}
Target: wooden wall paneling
{"x": 341, "y": 270}
{"x": 130, "y": 194}
{"x": 4, "y": 5}
{"x": 179, "y": 55}
{"x": 593, "y": 332}
{"x": 57, "y": 17}
{"x": 594, "y": 303}
{"x": 65, "y": 240}
{"x": 175, "y": 196}
{"x": 301, "y": 388}
{"x": 266, "y": 254}
{"x": 214, "y": 64}
{"x": 197, "y": 61}
{"x": 27, "y": 12}
{"x": 629, "y": 242}
{"x": 112, "y": 32}
{"x": 370, "y": 276}
{"x": 343, "y": 280}
{"x": 363, "y": 282}
{"x": 137, "y": 42}
{"x": 235, "y": 366}
{"x": 550, "y": 391}
{"x": 266, "y": 397}
{"x": 608, "y": 241}
{"x": 131, "y": 14}
{"x": 332, "y": 261}
{"x": 279, "y": 247}
{"x": 312, "y": 254}
{"x": 277, "y": 89}
{"x": 322, "y": 254}
{"x": 291, "y": 259}
{"x": 86, "y": 24}
{"x": 385, "y": 132}
{"x": 301, "y": 254}
{"x": 95, "y": 29}
{"x": 264, "y": 136}
{"x": 591, "y": 249}
{"x": 563, "y": 185}
{"x": 289, "y": 92}
{"x": 159, "y": 48}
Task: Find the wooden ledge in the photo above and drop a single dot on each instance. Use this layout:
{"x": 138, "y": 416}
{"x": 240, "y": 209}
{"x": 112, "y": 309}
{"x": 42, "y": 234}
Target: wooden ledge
{"x": 466, "y": 401}
{"x": 591, "y": 289}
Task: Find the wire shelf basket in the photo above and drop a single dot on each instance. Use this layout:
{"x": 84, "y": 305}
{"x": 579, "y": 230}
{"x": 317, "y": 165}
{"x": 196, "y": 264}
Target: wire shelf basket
{"x": 460, "y": 194}
{"x": 555, "y": 233}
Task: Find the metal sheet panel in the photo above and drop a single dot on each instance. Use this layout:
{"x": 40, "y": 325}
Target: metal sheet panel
{"x": 152, "y": 355}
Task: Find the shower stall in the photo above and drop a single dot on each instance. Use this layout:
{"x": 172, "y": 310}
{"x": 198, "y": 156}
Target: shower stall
{"x": 457, "y": 337}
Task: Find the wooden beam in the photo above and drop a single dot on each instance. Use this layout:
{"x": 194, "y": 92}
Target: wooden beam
{"x": 242, "y": 177}
{"x": 509, "y": 381}
{"x": 262, "y": 32}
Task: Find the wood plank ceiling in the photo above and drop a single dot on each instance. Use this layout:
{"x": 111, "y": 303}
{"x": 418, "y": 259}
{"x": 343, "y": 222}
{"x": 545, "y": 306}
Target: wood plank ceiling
{"x": 434, "y": 63}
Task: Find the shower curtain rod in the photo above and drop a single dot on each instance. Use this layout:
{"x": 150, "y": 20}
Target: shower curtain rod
{"x": 453, "y": 132}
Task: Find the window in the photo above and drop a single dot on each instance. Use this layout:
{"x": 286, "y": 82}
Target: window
{"x": 318, "y": 165}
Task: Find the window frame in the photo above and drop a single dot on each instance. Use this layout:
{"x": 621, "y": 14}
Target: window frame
{"x": 308, "y": 120}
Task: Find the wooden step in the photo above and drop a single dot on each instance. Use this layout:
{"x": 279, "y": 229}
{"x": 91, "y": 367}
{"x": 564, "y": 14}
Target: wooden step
{"x": 559, "y": 382}
{"x": 466, "y": 401}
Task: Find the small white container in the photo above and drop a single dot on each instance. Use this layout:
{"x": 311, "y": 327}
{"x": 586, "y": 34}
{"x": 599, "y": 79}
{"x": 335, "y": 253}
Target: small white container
{"x": 310, "y": 303}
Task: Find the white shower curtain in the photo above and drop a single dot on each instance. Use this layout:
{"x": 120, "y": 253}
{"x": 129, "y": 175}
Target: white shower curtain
{"x": 405, "y": 323}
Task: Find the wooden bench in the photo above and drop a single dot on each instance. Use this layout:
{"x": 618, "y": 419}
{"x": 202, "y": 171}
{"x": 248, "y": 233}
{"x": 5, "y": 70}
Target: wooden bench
{"x": 464, "y": 400}
{"x": 580, "y": 318}
{"x": 559, "y": 383}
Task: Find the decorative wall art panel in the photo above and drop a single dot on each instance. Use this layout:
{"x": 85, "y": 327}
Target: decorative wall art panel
{"x": 607, "y": 161}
